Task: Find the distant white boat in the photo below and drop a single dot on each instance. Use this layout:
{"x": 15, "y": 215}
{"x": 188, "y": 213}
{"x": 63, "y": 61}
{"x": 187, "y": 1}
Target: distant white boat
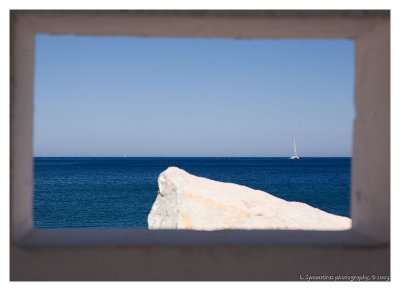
{"x": 124, "y": 156}
{"x": 295, "y": 156}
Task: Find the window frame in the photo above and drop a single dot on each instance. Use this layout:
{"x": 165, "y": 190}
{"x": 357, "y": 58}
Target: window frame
{"x": 370, "y": 190}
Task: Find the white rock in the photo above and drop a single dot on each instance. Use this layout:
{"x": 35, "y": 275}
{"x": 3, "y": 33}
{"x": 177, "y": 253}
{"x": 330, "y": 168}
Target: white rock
{"x": 186, "y": 201}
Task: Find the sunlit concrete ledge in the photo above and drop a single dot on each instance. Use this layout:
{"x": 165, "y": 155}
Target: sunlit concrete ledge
{"x": 126, "y": 236}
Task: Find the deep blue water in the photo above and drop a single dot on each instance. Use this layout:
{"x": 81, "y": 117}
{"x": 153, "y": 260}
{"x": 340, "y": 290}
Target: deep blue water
{"x": 119, "y": 192}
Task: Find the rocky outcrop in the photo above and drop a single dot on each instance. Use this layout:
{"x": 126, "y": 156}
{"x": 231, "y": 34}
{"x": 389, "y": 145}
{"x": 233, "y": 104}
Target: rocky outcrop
{"x": 186, "y": 201}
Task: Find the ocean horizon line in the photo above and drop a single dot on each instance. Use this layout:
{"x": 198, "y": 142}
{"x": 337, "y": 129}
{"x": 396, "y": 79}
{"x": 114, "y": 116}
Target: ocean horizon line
{"x": 190, "y": 157}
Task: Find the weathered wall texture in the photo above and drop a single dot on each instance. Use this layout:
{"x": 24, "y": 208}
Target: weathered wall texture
{"x": 371, "y": 172}
{"x": 195, "y": 263}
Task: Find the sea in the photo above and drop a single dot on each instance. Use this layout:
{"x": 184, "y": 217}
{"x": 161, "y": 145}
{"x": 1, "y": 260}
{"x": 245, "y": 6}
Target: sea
{"x": 119, "y": 192}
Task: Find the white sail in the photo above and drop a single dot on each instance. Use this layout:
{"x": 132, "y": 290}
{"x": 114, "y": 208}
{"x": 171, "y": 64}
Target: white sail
{"x": 295, "y": 156}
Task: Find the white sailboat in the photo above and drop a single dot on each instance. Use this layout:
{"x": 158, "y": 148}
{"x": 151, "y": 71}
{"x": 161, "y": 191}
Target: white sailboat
{"x": 295, "y": 156}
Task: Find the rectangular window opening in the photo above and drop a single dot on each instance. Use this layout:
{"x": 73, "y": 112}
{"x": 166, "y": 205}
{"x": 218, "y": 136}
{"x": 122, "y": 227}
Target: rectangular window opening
{"x": 112, "y": 113}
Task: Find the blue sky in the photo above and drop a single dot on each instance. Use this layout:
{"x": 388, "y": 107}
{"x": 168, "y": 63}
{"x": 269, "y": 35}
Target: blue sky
{"x": 139, "y": 96}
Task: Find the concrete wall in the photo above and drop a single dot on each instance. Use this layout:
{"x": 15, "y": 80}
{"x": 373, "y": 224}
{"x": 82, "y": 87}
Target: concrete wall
{"x": 370, "y": 202}
{"x": 195, "y": 263}
{"x": 284, "y": 259}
